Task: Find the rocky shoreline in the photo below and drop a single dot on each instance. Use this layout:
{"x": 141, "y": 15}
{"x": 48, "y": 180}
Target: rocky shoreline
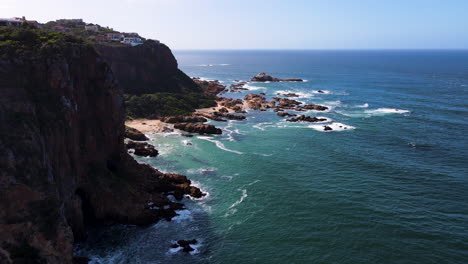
{"x": 229, "y": 109}
{"x": 64, "y": 163}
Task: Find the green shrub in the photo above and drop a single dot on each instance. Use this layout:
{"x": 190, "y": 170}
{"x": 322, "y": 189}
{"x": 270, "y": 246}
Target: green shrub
{"x": 32, "y": 42}
{"x": 165, "y": 104}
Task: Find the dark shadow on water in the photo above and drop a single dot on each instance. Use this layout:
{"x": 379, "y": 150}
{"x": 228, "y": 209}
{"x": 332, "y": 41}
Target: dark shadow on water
{"x": 152, "y": 244}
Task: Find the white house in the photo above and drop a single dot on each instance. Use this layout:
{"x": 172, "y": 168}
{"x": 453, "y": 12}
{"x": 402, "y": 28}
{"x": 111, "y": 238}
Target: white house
{"x": 134, "y": 41}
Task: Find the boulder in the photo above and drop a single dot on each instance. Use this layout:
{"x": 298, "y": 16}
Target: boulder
{"x": 134, "y": 134}
{"x": 142, "y": 149}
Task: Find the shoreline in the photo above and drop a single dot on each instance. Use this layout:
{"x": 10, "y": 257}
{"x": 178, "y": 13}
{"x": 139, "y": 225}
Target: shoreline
{"x": 149, "y": 125}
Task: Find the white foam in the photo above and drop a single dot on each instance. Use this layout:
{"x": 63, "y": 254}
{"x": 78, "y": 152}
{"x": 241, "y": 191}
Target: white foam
{"x": 171, "y": 134}
{"x": 238, "y": 132}
{"x": 220, "y": 145}
{"x": 383, "y": 111}
{"x": 254, "y": 88}
{"x": 232, "y": 209}
{"x": 186, "y": 142}
{"x": 175, "y": 250}
{"x": 363, "y": 105}
{"x": 230, "y": 132}
{"x": 300, "y": 94}
{"x": 196, "y": 247}
{"x": 335, "y": 126}
{"x": 165, "y": 149}
{"x": 198, "y": 185}
{"x": 201, "y": 170}
{"x": 182, "y": 215}
{"x": 259, "y": 125}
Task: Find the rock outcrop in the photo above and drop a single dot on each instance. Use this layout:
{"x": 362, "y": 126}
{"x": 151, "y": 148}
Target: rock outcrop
{"x": 185, "y": 245}
{"x": 63, "y": 164}
{"x": 238, "y": 87}
{"x": 290, "y": 95}
{"x": 142, "y": 149}
{"x": 134, "y": 134}
{"x": 211, "y": 88}
{"x": 183, "y": 119}
{"x": 147, "y": 68}
{"x": 255, "y": 101}
{"x": 198, "y": 128}
{"x": 263, "y": 77}
{"x": 303, "y": 118}
{"x": 315, "y": 107}
{"x": 283, "y": 114}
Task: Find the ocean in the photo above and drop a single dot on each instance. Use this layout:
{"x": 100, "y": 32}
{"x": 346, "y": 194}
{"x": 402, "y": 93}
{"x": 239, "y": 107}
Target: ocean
{"x": 390, "y": 188}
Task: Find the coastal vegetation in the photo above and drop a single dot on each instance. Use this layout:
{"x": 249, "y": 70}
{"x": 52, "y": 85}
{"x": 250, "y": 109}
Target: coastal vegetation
{"x": 172, "y": 94}
{"x": 32, "y": 42}
{"x": 165, "y": 104}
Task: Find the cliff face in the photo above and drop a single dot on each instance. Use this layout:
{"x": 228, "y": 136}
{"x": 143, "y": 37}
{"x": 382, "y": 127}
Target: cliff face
{"x": 147, "y": 68}
{"x": 63, "y": 164}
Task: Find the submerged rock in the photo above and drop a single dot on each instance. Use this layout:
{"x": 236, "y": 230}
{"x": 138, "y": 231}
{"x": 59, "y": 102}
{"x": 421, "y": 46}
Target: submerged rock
{"x": 185, "y": 245}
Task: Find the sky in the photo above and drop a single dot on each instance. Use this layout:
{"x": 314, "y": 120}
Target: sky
{"x": 269, "y": 24}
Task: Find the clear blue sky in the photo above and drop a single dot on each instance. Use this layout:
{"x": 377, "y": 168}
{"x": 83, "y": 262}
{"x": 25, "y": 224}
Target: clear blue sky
{"x": 269, "y": 24}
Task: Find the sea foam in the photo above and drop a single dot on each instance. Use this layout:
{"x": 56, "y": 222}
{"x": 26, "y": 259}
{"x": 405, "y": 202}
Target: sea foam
{"x": 182, "y": 215}
{"x": 232, "y": 210}
{"x": 335, "y": 126}
{"x": 300, "y": 94}
{"x": 220, "y": 145}
{"x": 384, "y": 111}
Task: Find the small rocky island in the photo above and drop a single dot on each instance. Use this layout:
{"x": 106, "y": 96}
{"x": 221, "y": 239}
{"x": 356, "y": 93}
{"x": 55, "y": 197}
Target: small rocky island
{"x": 263, "y": 77}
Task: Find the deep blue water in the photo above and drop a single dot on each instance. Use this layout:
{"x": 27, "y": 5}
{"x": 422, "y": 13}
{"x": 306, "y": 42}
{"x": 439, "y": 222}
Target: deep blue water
{"x": 392, "y": 188}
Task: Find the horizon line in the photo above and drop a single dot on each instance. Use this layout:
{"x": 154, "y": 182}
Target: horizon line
{"x": 318, "y": 49}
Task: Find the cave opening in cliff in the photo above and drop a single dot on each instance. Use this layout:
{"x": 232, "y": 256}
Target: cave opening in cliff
{"x": 88, "y": 213}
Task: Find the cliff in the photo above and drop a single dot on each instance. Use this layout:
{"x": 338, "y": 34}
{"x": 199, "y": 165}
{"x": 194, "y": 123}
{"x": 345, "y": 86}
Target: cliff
{"x": 147, "y": 68}
{"x": 63, "y": 165}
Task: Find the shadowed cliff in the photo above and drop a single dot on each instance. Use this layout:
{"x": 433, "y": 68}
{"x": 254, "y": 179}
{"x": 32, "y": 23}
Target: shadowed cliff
{"x": 147, "y": 68}
{"x": 63, "y": 164}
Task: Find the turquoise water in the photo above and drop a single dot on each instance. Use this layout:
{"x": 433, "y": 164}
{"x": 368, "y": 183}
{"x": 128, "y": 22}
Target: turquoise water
{"x": 392, "y": 188}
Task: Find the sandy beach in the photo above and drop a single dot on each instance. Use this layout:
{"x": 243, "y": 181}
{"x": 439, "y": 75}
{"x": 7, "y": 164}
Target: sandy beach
{"x": 148, "y": 125}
